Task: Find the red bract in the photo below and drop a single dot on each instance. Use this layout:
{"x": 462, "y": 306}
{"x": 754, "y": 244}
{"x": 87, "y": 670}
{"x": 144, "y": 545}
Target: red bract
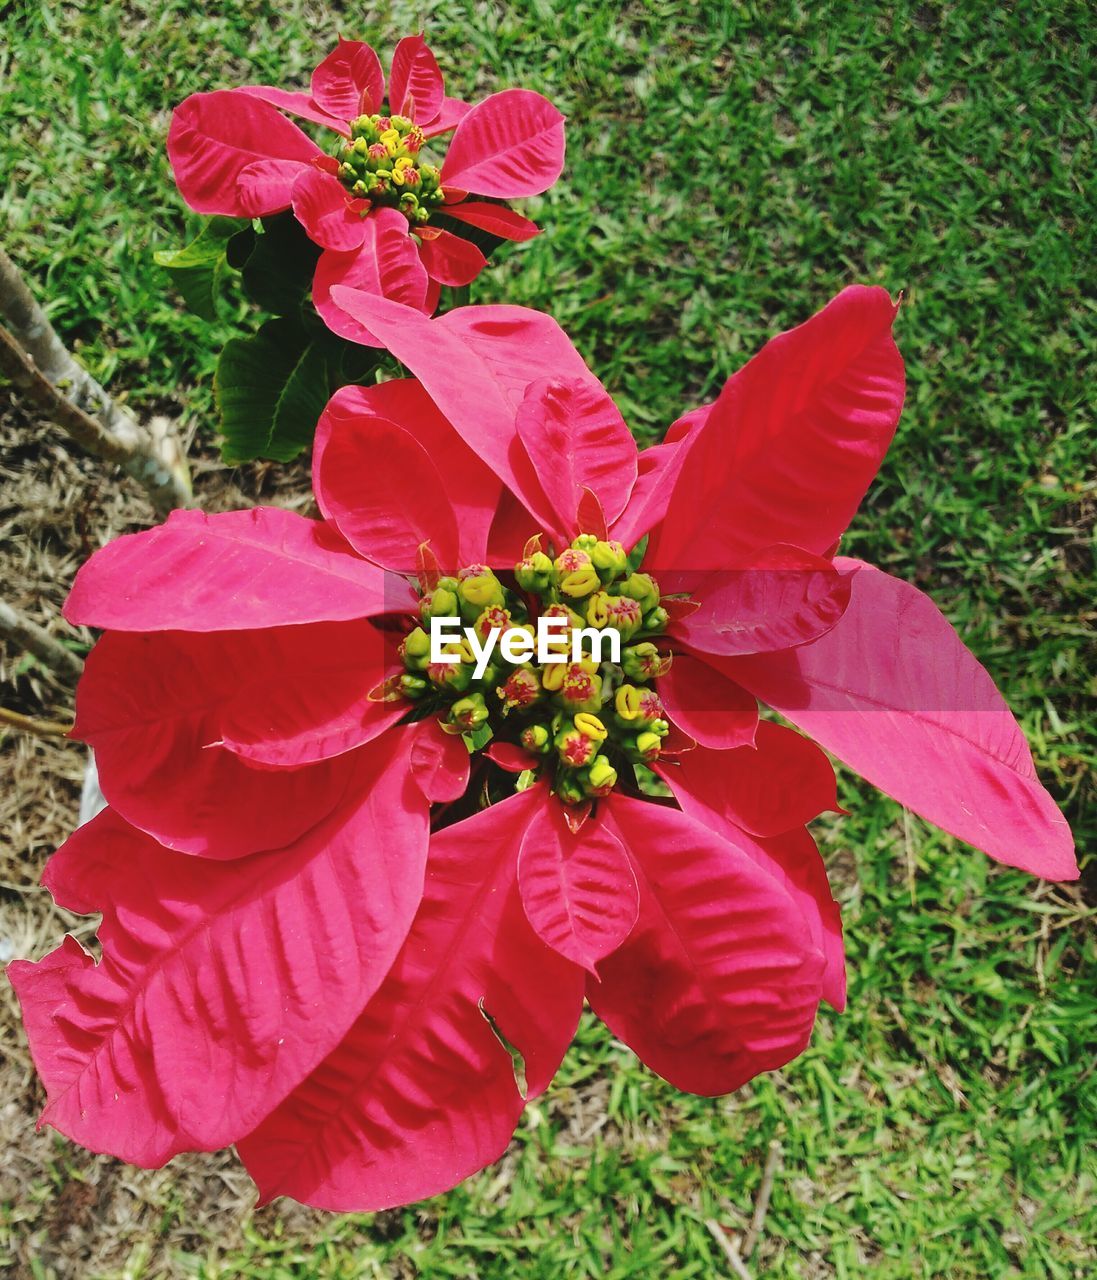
{"x": 331, "y": 917}
{"x": 373, "y": 205}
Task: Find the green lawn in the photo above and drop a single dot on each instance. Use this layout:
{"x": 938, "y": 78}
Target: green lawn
{"x": 730, "y": 168}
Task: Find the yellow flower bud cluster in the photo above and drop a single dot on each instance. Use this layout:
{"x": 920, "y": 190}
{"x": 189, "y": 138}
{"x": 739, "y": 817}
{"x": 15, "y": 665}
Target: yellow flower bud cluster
{"x": 585, "y": 721}
{"x": 381, "y": 164}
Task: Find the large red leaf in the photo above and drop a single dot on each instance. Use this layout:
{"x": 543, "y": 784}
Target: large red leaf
{"x": 781, "y": 782}
{"x": 421, "y": 1092}
{"x": 213, "y": 136}
{"x": 222, "y": 985}
{"x": 787, "y": 597}
{"x": 476, "y": 363}
{"x": 894, "y": 693}
{"x": 416, "y": 87}
{"x": 576, "y": 439}
{"x": 578, "y": 889}
{"x": 387, "y": 265}
{"x": 473, "y": 491}
{"x": 702, "y": 702}
{"x": 509, "y": 145}
{"x": 385, "y": 494}
{"x": 349, "y": 82}
{"x": 154, "y": 707}
{"x": 233, "y": 571}
{"x": 720, "y": 978}
{"x": 792, "y": 443}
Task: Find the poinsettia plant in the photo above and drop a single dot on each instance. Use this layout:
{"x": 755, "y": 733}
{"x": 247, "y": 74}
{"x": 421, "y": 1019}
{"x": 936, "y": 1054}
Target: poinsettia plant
{"x": 354, "y": 896}
{"x": 377, "y": 206}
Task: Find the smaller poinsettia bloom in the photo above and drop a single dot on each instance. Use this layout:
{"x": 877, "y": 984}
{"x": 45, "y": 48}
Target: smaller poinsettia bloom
{"x": 385, "y": 209}
{"x": 368, "y": 889}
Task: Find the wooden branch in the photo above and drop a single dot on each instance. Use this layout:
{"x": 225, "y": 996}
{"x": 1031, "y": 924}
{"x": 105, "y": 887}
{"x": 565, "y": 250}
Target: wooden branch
{"x": 47, "y": 648}
{"x": 761, "y": 1205}
{"x": 27, "y": 724}
{"x": 37, "y": 361}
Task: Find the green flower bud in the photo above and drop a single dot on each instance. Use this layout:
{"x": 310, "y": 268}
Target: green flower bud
{"x": 648, "y": 745}
{"x": 415, "y": 649}
{"x": 643, "y": 588}
{"x": 574, "y": 747}
{"x": 535, "y": 738}
{"x": 656, "y": 620}
{"x": 412, "y": 686}
{"x": 477, "y": 589}
{"x": 469, "y": 713}
{"x": 534, "y": 574}
{"x": 643, "y": 661}
{"x": 609, "y": 559}
{"x": 599, "y": 778}
{"x": 569, "y": 788}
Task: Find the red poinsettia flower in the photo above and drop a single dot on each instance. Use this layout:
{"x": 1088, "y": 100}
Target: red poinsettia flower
{"x": 373, "y": 203}
{"x": 353, "y": 897}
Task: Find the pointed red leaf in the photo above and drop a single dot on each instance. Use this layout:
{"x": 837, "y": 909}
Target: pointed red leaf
{"x": 449, "y": 259}
{"x": 230, "y": 572}
{"x": 708, "y": 706}
{"x": 422, "y": 1093}
{"x": 781, "y": 782}
{"x": 387, "y": 265}
{"x": 385, "y": 495}
{"x": 789, "y": 448}
{"x": 576, "y": 439}
{"x": 349, "y": 82}
{"x": 472, "y": 489}
{"x": 511, "y": 757}
{"x": 416, "y": 87}
{"x": 152, "y": 707}
{"x": 449, "y": 116}
{"x": 509, "y": 145}
{"x": 222, "y": 985}
{"x": 439, "y": 762}
{"x": 657, "y": 472}
{"x": 894, "y": 693}
{"x": 494, "y": 218}
{"x": 214, "y": 136}
{"x": 720, "y": 978}
{"x": 579, "y": 891}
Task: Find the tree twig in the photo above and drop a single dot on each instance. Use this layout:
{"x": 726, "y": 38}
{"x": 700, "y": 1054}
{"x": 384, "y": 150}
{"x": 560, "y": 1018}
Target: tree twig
{"x": 730, "y": 1248}
{"x": 37, "y": 361}
{"x": 29, "y": 635}
{"x": 761, "y": 1205}
{"x": 40, "y": 728}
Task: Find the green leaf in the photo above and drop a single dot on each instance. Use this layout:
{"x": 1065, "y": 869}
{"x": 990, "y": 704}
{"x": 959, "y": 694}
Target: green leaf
{"x": 278, "y": 272}
{"x": 271, "y": 388}
{"x": 197, "y": 270}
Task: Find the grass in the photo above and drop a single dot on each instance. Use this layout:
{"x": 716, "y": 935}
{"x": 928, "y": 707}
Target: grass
{"x": 730, "y": 167}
